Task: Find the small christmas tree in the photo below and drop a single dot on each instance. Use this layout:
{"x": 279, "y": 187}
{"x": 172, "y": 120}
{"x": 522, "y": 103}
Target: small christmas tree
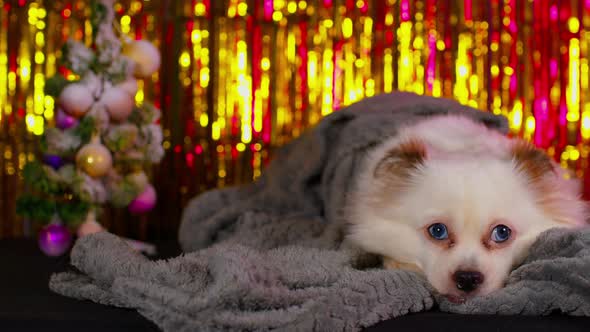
{"x": 102, "y": 143}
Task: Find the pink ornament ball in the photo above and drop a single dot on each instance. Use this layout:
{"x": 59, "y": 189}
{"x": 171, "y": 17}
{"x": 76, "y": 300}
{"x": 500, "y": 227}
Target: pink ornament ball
{"x": 144, "y": 202}
{"x": 65, "y": 121}
{"x": 145, "y": 56}
{"x": 118, "y": 102}
{"x": 89, "y": 227}
{"x": 76, "y": 99}
{"x": 54, "y": 240}
{"x": 129, "y": 86}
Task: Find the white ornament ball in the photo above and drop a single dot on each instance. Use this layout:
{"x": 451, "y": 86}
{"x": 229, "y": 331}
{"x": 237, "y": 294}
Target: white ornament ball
{"x": 145, "y": 55}
{"x": 129, "y": 86}
{"x": 76, "y": 99}
{"x": 118, "y": 103}
{"x": 94, "y": 159}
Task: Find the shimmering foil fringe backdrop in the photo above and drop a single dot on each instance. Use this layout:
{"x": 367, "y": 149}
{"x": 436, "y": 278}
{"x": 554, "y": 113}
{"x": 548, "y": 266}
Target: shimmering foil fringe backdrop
{"x": 241, "y": 77}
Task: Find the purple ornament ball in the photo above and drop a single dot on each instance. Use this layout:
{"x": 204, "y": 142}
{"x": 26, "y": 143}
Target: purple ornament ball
{"x": 144, "y": 202}
{"x": 64, "y": 121}
{"x": 53, "y": 161}
{"x": 54, "y": 240}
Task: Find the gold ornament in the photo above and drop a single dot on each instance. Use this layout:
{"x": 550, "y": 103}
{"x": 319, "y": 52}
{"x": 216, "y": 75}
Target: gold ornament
{"x": 145, "y": 55}
{"x": 94, "y": 159}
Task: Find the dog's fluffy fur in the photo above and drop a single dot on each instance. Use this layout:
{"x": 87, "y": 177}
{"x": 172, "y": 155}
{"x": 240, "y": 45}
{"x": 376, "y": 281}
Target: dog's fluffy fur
{"x": 451, "y": 170}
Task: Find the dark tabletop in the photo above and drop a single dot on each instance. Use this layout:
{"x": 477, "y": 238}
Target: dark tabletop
{"x": 26, "y": 304}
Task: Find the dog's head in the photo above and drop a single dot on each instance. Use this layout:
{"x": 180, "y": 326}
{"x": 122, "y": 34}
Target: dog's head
{"x": 464, "y": 221}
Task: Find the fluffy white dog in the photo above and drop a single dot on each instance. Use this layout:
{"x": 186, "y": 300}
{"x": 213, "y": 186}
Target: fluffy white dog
{"x": 458, "y": 202}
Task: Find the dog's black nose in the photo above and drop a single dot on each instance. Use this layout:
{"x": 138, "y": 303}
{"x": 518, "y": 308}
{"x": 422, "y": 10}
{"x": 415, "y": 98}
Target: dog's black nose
{"x": 467, "y": 281}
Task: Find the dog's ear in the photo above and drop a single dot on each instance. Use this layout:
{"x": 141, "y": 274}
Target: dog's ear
{"x": 402, "y": 159}
{"x": 559, "y": 197}
{"x": 531, "y": 161}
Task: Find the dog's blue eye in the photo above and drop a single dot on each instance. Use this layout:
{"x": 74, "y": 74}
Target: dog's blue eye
{"x": 501, "y": 233}
{"x": 438, "y": 231}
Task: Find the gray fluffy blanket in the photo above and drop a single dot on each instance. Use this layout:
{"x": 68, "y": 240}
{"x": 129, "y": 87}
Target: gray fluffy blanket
{"x": 270, "y": 255}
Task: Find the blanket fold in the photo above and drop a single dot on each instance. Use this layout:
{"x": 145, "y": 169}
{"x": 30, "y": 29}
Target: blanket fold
{"x": 270, "y": 255}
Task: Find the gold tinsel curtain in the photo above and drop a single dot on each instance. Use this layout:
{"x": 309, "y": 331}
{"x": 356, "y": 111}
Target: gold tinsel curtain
{"x": 240, "y": 77}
